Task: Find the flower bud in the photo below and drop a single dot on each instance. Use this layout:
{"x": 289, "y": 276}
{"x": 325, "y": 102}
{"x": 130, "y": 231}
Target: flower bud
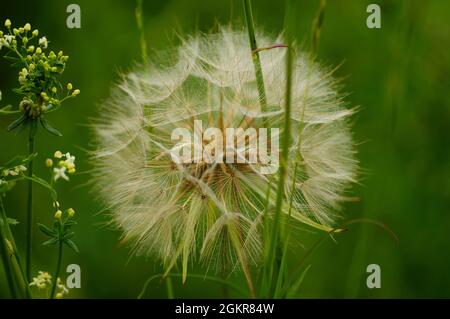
{"x": 71, "y": 212}
{"x": 48, "y": 162}
{"x": 58, "y": 214}
{"x": 8, "y": 23}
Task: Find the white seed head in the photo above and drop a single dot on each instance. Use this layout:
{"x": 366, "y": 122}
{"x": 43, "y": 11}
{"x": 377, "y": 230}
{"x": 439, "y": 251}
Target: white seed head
{"x": 212, "y": 210}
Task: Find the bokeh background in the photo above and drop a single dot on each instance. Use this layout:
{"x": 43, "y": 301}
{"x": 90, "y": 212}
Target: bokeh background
{"x": 398, "y": 75}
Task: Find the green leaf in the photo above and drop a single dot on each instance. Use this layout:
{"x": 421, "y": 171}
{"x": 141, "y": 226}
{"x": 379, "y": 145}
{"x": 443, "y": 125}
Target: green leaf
{"x": 47, "y": 231}
{"x": 6, "y": 108}
{"x": 12, "y": 221}
{"x": 292, "y": 291}
{"x": 71, "y": 244}
{"x": 11, "y": 59}
{"x": 51, "y": 241}
{"x": 69, "y": 223}
{"x": 49, "y": 128}
{"x": 68, "y": 235}
{"x": 17, "y": 123}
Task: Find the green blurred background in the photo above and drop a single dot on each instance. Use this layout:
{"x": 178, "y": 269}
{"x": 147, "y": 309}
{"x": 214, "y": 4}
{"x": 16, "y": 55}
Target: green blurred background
{"x": 398, "y": 74}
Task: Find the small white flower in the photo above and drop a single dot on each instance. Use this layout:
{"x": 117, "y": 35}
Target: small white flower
{"x": 6, "y": 41}
{"x": 43, "y": 42}
{"x": 13, "y": 173}
{"x": 60, "y": 172}
{"x": 70, "y": 160}
{"x": 42, "y": 280}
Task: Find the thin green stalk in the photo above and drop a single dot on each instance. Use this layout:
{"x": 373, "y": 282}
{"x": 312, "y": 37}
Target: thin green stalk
{"x": 29, "y": 234}
{"x": 7, "y": 263}
{"x": 225, "y": 290}
{"x": 169, "y": 287}
{"x": 283, "y": 264}
{"x": 317, "y": 26}
{"x": 255, "y": 55}
{"x": 57, "y": 270}
{"x": 140, "y": 25}
{"x": 266, "y": 236}
{"x": 285, "y": 143}
{"x": 260, "y": 86}
{"x": 15, "y": 266}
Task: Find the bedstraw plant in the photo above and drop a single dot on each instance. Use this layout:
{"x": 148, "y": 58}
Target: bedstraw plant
{"x": 41, "y": 93}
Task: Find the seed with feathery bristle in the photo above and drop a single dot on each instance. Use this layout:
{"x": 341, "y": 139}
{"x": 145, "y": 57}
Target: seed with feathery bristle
{"x": 214, "y": 210}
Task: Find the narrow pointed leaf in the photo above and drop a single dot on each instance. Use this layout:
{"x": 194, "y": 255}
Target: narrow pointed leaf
{"x": 292, "y": 291}
{"x": 49, "y": 128}
{"x": 17, "y": 123}
{"x": 46, "y": 230}
{"x": 12, "y": 221}
{"x": 50, "y": 242}
{"x": 72, "y": 245}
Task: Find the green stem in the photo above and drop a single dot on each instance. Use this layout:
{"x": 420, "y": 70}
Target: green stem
{"x": 273, "y": 262}
{"x": 7, "y": 262}
{"x": 287, "y": 234}
{"x": 255, "y": 55}
{"x": 57, "y": 270}
{"x": 225, "y": 290}
{"x": 8, "y": 242}
{"x": 169, "y": 287}
{"x": 140, "y": 25}
{"x": 29, "y": 234}
{"x": 317, "y": 26}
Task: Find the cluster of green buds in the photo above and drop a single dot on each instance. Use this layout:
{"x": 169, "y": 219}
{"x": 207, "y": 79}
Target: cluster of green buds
{"x": 39, "y": 72}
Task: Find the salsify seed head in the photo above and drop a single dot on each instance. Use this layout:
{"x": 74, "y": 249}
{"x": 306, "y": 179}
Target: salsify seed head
{"x": 213, "y": 210}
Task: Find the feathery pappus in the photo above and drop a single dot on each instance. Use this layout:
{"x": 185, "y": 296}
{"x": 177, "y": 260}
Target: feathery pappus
{"x": 213, "y": 210}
